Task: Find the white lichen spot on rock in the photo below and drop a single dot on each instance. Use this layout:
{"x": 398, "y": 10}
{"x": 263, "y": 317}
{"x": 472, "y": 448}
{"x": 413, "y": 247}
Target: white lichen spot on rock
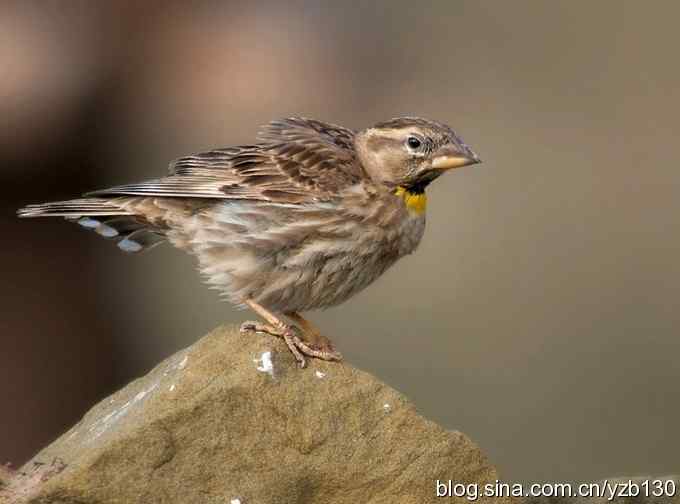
{"x": 172, "y": 387}
{"x": 183, "y": 362}
{"x": 320, "y": 374}
{"x": 103, "y": 424}
{"x": 141, "y": 395}
{"x": 265, "y": 363}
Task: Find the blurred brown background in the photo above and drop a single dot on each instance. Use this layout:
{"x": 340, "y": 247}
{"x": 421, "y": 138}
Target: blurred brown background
{"x": 540, "y": 314}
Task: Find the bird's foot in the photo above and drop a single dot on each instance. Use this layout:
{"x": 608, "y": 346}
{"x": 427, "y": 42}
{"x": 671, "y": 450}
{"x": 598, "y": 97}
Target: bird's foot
{"x": 298, "y": 347}
{"x": 313, "y": 338}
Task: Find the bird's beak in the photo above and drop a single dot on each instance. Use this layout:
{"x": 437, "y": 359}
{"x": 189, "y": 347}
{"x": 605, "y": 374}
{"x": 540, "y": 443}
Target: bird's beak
{"x": 448, "y": 158}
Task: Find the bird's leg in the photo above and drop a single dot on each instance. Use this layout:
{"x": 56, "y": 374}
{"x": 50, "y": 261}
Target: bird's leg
{"x": 276, "y": 327}
{"x": 314, "y": 338}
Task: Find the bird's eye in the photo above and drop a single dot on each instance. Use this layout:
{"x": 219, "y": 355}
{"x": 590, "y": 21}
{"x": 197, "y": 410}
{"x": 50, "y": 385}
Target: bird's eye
{"x": 413, "y": 142}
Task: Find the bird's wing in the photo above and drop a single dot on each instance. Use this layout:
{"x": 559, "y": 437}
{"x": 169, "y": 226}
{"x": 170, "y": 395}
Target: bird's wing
{"x": 298, "y": 161}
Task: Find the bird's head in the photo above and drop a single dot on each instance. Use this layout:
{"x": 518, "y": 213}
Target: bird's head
{"x": 407, "y": 153}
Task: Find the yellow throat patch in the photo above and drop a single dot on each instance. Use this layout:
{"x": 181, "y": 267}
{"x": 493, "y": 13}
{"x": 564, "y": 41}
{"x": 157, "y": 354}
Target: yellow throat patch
{"x": 415, "y": 202}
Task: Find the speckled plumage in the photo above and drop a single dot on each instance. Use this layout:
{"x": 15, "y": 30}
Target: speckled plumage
{"x": 302, "y": 220}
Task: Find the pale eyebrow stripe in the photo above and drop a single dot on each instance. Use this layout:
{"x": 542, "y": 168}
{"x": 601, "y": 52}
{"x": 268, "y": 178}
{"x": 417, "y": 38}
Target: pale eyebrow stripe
{"x": 395, "y": 134}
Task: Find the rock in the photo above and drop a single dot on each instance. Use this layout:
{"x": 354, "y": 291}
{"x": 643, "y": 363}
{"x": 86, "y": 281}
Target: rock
{"x": 233, "y": 420}
{"x": 6, "y": 474}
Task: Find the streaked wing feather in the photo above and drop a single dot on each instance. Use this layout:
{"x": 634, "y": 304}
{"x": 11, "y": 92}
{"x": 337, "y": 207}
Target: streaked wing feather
{"x": 174, "y": 185}
{"x": 73, "y": 208}
{"x": 309, "y": 131}
{"x": 300, "y": 161}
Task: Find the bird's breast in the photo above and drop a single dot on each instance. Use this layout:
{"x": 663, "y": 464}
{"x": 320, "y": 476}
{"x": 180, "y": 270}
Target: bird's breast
{"x": 296, "y": 258}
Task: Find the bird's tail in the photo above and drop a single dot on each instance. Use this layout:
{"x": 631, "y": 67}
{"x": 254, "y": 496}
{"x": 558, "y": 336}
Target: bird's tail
{"x": 104, "y": 216}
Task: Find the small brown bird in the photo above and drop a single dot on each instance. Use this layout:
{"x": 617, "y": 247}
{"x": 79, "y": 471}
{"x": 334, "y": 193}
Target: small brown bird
{"x": 303, "y": 219}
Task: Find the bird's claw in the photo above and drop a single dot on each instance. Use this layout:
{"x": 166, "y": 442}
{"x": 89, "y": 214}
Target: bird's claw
{"x": 295, "y": 344}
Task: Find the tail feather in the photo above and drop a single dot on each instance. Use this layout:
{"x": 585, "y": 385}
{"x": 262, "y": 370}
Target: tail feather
{"x": 141, "y": 240}
{"x": 103, "y": 216}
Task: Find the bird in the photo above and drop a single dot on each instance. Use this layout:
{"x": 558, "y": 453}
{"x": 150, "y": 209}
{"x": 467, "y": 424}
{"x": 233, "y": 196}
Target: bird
{"x": 304, "y": 218}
